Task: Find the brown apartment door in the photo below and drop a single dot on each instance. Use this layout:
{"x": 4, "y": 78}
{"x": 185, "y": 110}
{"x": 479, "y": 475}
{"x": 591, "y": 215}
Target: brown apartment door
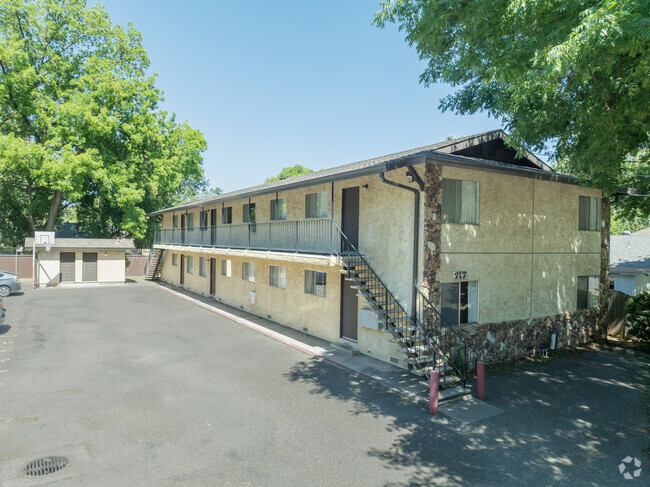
{"x": 183, "y": 229}
{"x": 182, "y": 257}
{"x": 89, "y": 268}
{"x": 349, "y": 310}
{"x": 213, "y": 229}
{"x": 213, "y": 276}
{"x": 67, "y": 266}
{"x": 350, "y": 215}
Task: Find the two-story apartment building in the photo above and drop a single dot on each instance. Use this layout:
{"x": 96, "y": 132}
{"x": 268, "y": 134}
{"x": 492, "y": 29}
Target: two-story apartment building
{"x": 505, "y": 249}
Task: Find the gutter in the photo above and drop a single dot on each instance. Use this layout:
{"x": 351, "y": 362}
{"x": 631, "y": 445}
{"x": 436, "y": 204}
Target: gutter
{"x": 416, "y": 223}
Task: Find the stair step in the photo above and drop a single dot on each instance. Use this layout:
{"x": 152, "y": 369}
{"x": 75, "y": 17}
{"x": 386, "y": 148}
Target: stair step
{"x": 401, "y": 329}
{"x": 417, "y": 349}
{"x": 408, "y": 339}
{"x": 364, "y": 286}
{"x": 419, "y": 360}
{"x": 394, "y": 319}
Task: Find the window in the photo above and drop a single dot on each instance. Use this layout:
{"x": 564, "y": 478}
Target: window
{"x": 203, "y": 218}
{"x": 459, "y": 302}
{"x": 203, "y": 266}
{"x": 190, "y": 264}
{"x": 315, "y": 283}
{"x": 174, "y": 259}
{"x": 249, "y": 213}
{"x": 316, "y": 205}
{"x": 589, "y": 214}
{"x": 279, "y": 209}
{"x": 587, "y": 292}
{"x": 461, "y": 201}
{"x": 248, "y": 271}
{"x": 175, "y": 221}
{"x": 278, "y": 276}
{"x": 190, "y": 221}
{"x": 225, "y": 267}
{"x": 226, "y": 215}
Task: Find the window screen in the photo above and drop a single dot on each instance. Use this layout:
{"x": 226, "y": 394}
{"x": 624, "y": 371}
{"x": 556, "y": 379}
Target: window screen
{"x": 278, "y": 276}
{"x": 203, "y": 266}
{"x": 316, "y": 283}
{"x": 279, "y": 209}
{"x": 459, "y": 302}
{"x": 316, "y": 205}
{"x": 248, "y": 271}
{"x": 588, "y": 288}
{"x": 174, "y": 259}
{"x": 461, "y": 201}
{"x": 589, "y": 214}
{"x": 225, "y": 267}
{"x": 226, "y": 215}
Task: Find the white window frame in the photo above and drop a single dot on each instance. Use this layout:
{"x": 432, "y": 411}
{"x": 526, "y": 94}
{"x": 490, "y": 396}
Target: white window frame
{"x": 312, "y": 284}
{"x": 278, "y": 209}
{"x": 461, "y": 201}
{"x": 190, "y": 264}
{"x": 592, "y": 289}
{"x": 316, "y": 205}
{"x": 175, "y": 259}
{"x": 589, "y": 213}
{"x": 278, "y": 276}
{"x": 226, "y": 215}
{"x": 203, "y": 268}
{"x": 226, "y": 267}
{"x": 248, "y": 271}
{"x": 472, "y": 304}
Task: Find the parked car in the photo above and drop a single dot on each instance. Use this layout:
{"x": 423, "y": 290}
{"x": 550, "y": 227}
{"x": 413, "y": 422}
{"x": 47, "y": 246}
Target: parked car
{"x": 9, "y": 283}
{"x": 2, "y": 313}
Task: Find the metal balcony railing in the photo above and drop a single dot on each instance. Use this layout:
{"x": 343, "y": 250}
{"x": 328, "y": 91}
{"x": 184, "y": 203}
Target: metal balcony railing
{"x": 312, "y": 236}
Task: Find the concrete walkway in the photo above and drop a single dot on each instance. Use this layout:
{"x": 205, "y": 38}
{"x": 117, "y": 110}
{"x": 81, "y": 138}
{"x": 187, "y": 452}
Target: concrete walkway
{"x": 343, "y": 355}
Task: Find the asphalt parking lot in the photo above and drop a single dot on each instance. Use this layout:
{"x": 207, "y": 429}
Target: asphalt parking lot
{"x": 136, "y": 386}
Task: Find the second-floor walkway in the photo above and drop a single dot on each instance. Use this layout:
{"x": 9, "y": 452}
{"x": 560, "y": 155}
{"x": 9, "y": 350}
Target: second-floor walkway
{"x": 312, "y": 236}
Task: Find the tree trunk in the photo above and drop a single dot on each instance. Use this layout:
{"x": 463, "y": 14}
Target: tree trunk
{"x": 54, "y": 210}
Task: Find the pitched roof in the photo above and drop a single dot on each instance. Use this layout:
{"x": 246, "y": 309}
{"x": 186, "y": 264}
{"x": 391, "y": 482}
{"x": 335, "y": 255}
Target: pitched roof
{"x": 447, "y": 147}
{"x": 86, "y": 244}
{"x": 629, "y": 254}
{"x": 645, "y": 231}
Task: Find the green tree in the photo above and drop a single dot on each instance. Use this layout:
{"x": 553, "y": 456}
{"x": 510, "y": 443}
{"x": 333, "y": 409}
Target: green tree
{"x": 574, "y": 74}
{"x": 289, "y": 172}
{"x": 80, "y": 124}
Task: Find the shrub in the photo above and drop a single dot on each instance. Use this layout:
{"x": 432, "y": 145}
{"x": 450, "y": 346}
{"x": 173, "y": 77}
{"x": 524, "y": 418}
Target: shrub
{"x": 638, "y": 310}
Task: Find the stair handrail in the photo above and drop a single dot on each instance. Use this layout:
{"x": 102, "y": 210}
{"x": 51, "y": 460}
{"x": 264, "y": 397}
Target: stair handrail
{"x": 431, "y": 341}
{"x": 448, "y": 326}
{"x": 149, "y": 257}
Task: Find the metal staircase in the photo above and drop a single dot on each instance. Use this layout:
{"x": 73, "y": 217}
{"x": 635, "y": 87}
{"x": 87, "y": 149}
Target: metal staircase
{"x": 425, "y": 348}
{"x": 155, "y": 264}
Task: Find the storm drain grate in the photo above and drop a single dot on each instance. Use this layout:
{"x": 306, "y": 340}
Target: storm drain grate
{"x": 45, "y": 466}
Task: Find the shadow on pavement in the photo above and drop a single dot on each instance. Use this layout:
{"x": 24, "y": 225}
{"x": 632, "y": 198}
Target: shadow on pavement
{"x": 567, "y": 421}
{"x": 4, "y": 329}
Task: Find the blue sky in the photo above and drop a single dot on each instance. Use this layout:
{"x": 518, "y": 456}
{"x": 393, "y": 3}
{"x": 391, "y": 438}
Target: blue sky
{"x": 276, "y": 83}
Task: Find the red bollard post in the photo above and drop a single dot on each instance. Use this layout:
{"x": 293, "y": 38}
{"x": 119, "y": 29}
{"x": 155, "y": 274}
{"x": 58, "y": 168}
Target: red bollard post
{"x": 480, "y": 380}
{"x": 434, "y": 382}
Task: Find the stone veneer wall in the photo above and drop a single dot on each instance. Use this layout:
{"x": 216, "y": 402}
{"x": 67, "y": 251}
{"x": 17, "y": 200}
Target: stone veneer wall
{"x": 604, "y": 255}
{"x": 507, "y": 340}
{"x": 431, "y": 237}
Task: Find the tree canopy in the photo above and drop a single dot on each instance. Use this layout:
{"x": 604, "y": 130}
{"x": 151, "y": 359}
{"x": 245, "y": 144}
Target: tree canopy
{"x": 570, "y": 74}
{"x": 80, "y": 124}
{"x": 289, "y": 172}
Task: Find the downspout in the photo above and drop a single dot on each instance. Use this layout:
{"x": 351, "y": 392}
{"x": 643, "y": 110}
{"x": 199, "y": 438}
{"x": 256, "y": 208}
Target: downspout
{"x": 416, "y": 226}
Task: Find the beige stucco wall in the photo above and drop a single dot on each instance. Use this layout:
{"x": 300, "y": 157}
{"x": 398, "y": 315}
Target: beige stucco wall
{"x": 527, "y": 251}
{"x": 110, "y": 266}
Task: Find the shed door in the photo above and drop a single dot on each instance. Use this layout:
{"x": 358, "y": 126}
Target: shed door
{"x": 67, "y": 266}
{"x": 89, "y": 266}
